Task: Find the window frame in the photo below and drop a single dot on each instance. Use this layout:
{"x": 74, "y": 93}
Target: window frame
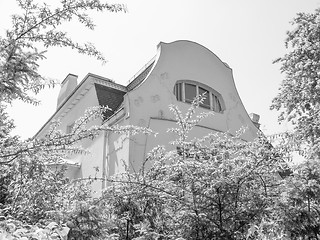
{"x": 179, "y": 87}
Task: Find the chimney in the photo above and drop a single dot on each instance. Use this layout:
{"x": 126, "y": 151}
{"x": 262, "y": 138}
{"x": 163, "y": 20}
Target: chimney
{"x": 255, "y": 119}
{"x": 67, "y": 86}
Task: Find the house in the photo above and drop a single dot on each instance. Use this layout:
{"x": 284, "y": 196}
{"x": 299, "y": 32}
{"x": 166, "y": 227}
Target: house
{"x": 179, "y": 71}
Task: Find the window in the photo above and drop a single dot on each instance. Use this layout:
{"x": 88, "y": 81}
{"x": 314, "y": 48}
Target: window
{"x": 206, "y": 101}
{"x": 186, "y": 91}
{"x": 178, "y": 91}
{"x": 70, "y": 128}
{"x": 190, "y": 92}
{"x": 216, "y": 105}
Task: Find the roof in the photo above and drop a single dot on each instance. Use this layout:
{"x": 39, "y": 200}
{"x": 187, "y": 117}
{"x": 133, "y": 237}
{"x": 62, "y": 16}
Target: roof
{"x": 82, "y": 86}
{"x": 109, "y": 97}
{"x": 141, "y": 75}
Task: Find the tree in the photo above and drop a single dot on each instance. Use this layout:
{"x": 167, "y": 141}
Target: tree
{"x": 298, "y": 101}
{"x": 299, "y": 98}
{"x": 298, "y": 207}
{"x": 29, "y": 187}
{"x": 38, "y": 25}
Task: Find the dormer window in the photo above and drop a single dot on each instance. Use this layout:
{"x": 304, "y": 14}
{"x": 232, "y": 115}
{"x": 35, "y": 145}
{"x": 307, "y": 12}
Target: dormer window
{"x": 186, "y": 91}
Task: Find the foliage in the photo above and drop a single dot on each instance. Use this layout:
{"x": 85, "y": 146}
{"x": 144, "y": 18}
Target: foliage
{"x": 299, "y": 98}
{"x": 298, "y": 101}
{"x": 268, "y": 229}
{"x": 29, "y": 186}
{"x": 215, "y": 187}
{"x": 34, "y": 190}
{"x": 13, "y": 230}
{"x": 83, "y": 214}
{"x": 39, "y": 25}
{"x": 295, "y": 213}
{"x": 33, "y": 184}
{"x": 299, "y": 201}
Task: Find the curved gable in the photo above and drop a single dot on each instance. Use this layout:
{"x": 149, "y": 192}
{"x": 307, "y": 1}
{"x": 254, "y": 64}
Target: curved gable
{"x": 198, "y": 69}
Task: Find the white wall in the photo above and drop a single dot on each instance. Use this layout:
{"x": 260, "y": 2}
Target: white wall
{"x": 184, "y": 60}
{"x": 83, "y": 99}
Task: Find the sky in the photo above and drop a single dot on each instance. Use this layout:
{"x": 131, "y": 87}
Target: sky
{"x": 246, "y": 34}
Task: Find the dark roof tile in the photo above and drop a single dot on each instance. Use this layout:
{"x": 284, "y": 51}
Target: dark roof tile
{"x": 109, "y": 97}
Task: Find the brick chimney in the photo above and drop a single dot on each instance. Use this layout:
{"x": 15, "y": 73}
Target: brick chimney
{"x": 67, "y": 86}
{"x": 255, "y": 119}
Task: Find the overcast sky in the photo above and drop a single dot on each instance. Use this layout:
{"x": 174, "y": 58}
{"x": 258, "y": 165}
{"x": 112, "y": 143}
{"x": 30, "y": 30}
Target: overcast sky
{"x": 246, "y": 34}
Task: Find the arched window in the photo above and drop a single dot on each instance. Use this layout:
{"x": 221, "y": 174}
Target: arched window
{"x": 186, "y": 91}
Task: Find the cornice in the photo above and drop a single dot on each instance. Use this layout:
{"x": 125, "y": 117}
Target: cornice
{"x": 110, "y": 84}
{"x": 77, "y": 98}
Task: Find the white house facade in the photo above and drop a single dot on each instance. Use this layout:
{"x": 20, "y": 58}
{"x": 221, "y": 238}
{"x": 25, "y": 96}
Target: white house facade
{"x": 179, "y": 71}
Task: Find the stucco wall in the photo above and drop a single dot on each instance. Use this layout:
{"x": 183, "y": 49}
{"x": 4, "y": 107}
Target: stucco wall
{"x": 184, "y": 60}
{"x": 72, "y": 110}
{"x": 117, "y": 153}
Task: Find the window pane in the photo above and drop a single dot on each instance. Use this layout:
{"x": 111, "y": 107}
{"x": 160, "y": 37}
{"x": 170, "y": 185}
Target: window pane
{"x": 206, "y": 101}
{"x": 216, "y": 104}
{"x": 178, "y": 91}
{"x": 219, "y": 105}
{"x": 190, "y": 92}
